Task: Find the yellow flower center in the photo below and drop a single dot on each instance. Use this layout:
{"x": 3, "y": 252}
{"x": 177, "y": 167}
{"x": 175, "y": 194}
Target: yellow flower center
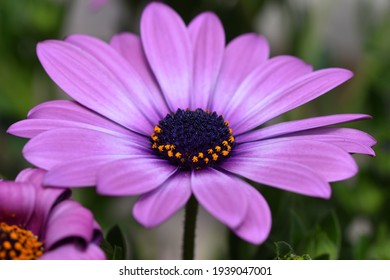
{"x": 17, "y": 243}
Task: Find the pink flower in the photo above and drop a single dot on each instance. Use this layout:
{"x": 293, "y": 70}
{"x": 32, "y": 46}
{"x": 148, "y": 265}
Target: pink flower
{"x": 174, "y": 113}
{"x": 42, "y": 223}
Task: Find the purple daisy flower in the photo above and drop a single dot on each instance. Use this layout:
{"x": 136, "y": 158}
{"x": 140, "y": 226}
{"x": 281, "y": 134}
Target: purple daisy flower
{"x": 174, "y": 112}
{"x": 42, "y": 223}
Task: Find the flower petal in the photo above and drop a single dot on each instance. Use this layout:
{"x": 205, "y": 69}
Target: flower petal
{"x": 221, "y": 195}
{"x": 45, "y": 198}
{"x": 33, "y": 127}
{"x": 329, "y": 161}
{"x": 294, "y": 94}
{"x": 136, "y": 85}
{"x": 68, "y": 111}
{"x": 68, "y": 220}
{"x": 130, "y": 47}
{"x": 242, "y": 55}
{"x": 299, "y": 125}
{"x": 17, "y": 202}
{"x": 65, "y": 144}
{"x": 350, "y": 140}
{"x": 257, "y": 223}
{"x": 95, "y": 84}
{"x": 79, "y": 172}
{"x": 159, "y": 205}
{"x": 168, "y": 49}
{"x": 261, "y": 82}
{"x": 208, "y": 41}
{"x": 133, "y": 176}
{"x": 74, "y": 252}
{"x": 286, "y": 175}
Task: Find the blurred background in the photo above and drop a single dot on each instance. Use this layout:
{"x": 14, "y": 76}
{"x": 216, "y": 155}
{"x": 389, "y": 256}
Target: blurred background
{"x": 352, "y": 34}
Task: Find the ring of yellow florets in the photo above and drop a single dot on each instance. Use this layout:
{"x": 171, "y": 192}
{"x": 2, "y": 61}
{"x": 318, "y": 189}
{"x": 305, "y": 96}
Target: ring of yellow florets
{"x": 18, "y": 244}
{"x": 193, "y": 139}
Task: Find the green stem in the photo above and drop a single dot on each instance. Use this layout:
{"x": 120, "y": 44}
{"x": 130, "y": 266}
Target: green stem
{"x": 189, "y": 229}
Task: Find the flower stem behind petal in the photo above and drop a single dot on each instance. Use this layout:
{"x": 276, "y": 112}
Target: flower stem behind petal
{"x": 189, "y": 229}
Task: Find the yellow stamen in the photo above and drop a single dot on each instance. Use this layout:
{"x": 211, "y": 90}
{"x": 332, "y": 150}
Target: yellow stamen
{"x": 215, "y": 156}
{"x": 161, "y": 148}
{"x": 206, "y": 160}
{"x": 18, "y": 243}
{"x": 218, "y": 148}
{"x": 225, "y": 153}
{"x": 157, "y": 129}
{"x": 210, "y": 151}
{"x": 200, "y": 155}
{"x": 194, "y": 159}
{"x": 178, "y": 155}
{"x": 170, "y": 153}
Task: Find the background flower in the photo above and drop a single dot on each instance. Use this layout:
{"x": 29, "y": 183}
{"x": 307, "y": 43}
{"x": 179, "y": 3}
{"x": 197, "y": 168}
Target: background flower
{"x": 43, "y": 223}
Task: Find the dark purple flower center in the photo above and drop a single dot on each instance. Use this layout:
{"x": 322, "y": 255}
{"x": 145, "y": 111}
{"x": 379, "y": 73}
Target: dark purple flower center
{"x": 18, "y": 244}
{"x": 193, "y": 139}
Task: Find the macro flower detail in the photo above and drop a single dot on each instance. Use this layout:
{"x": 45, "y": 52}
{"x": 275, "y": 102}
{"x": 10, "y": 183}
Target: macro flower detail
{"x": 42, "y": 223}
{"x": 192, "y": 139}
{"x": 175, "y": 113}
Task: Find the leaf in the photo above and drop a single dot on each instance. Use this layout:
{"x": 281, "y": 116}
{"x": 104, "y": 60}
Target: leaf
{"x": 115, "y": 238}
{"x": 285, "y": 251}
{"x": 325, "y": 240}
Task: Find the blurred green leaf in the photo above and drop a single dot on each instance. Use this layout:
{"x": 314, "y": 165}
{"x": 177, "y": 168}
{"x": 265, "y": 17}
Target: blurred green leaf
{"x": 326, "y": 238}
{"x": 115, "y": 238}
{"x": 284, "y": 251}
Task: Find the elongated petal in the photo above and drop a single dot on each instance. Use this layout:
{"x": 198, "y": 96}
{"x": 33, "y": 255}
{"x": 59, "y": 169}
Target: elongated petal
{"x": 168, "y": 49}
{"x": 350, "y": 140}
{"x": 133, "y": 176}
{"x": 257, "y": 223}
{"x": 294, "y": 94}
{"x": 221, "y": 195}
{"x": 69, "y": 220}
{"x": 68, "y": 114}
{"x": 299, "y": 125}
{"x": 129, "y": 76}
{"x": 45, "y": 198}
{"x": 159, "y": 205}
{"x": 327, "y": 160}
{"x": 62, "y": 145}
{"x": 74, "y": 252}
{"x": 286, "y": 175}
{"x": 17, "y": 201}
{"x": 67, "y": 110}
{"x": 130, "y": 47}
{"x": 242, "y": 55}
{"x": 95, "y": 84}
{"x": 208, "y": 41}
{"x": 33, "y": 127}
{"x": 79, "y": 172}
{"x": 261, "y": 82}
